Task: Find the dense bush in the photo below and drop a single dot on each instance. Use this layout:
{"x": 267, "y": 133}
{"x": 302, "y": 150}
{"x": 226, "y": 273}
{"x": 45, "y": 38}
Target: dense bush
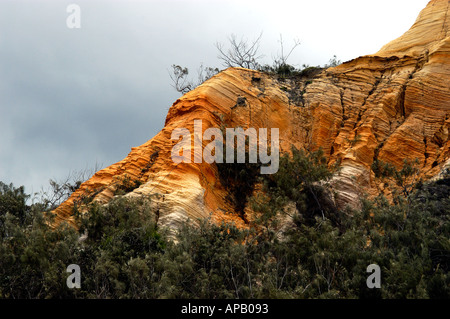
{"x": 239, "y": 179}
{"x": 324, "y": 254}
{"x": 34, "y": 257}
{"x": 302, "y": 179}
{"x": 13, "y": 201}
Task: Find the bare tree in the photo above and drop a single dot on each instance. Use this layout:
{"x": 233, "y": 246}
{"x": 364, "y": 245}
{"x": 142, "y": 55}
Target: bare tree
{"x": 281, "y": 60}
{"x": 60, "y": 191}
{"x": 241, "y": 53}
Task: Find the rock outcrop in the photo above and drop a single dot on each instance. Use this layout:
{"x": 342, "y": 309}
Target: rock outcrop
{"x": 389, "y": 106}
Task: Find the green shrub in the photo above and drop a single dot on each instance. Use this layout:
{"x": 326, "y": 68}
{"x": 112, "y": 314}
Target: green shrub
{"x": 323, "y": 254}
{"x": 302, "y": 179}
{"x": 239, "y": 179}
{"x": 13, "y": 201}
{"x": 126, "y": 185}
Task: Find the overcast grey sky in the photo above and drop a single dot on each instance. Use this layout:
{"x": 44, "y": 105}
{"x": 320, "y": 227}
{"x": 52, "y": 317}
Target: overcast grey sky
{"x": 74, "y": 98}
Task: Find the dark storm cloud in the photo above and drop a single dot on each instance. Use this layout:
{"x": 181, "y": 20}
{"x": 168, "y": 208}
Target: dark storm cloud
{"x": 70, "y": 98}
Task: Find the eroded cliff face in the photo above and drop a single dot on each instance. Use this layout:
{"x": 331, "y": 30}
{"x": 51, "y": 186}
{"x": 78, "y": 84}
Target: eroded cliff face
{"x": 389, "y": 106}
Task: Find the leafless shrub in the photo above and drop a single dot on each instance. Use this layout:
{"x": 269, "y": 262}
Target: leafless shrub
{"x": 241, "y": 53}
{"x": 60, "y": 191}
{"x": 281, "y": 60}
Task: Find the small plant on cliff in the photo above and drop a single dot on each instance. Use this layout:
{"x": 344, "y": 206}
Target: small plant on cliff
{"x": 333, "y": 62}
{"x": 126, "y": 185}
{"x": 406, "y": 178}
{"x": 180, "y": 80}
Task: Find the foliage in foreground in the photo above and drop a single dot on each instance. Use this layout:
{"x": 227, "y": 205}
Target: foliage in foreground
{"x": 320, "y": 256}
